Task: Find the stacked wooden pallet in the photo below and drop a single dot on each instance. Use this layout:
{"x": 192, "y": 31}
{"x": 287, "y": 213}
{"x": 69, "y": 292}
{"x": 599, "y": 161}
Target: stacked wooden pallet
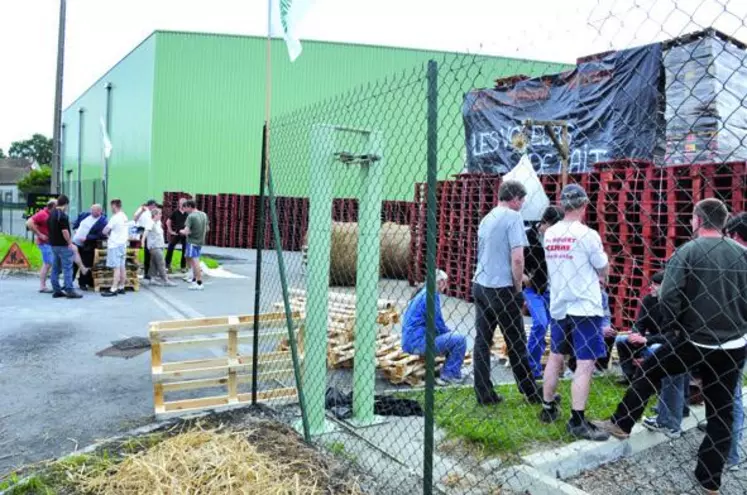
{"x": 341, "y": 324}
{"x": 400, "y": 367}
{"x": 102, "y": 276}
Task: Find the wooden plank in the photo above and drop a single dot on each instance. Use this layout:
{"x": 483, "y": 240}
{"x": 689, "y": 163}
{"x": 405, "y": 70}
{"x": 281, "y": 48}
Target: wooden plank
{"x": 212, "y": 371}
{"x": 155, "y": 355}
{"x": 277, "y": 393}
{"x": 244, "y": 320}
{"x": 233, "y": 354}
{"x": 281, "y": 374}
{"x": 160, "y": 333}
{"x": 158, "y": 397}
{"x": 210, "y": 342}
{"x": 221, "y": 402}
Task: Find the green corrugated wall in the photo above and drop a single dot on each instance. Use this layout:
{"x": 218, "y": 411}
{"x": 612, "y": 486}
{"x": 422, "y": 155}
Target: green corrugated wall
{"x": 130, "y": 166}
{"x": 192, "y": 106}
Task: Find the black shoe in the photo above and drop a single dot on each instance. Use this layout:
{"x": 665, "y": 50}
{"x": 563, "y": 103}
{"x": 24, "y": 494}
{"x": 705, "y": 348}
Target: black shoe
{"x": 623, "y": 380}
{"x": 108, "y": 293}
{"x": 121, "y": 292}
{"x": 71, "y": 294}
{"x": 686, "y": 412}
{"x": 58, "y": 294}
{"x": 549, "y": 414}
{"x": 587, "y": 431}
{"x": 490, "y": 401}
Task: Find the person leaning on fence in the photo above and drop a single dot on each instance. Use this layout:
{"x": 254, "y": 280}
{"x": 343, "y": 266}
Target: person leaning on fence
{"x": 536, "y": 291}
{"x": 576, "y": 262}
{"x": 448, "y": 343}
{"x": 116, "y": 249}
{"x": 38, "y": 225}
{"x": 174, "y": 224}
{"x": 497, "y": 291}
{"x": 703, "y": 291}
{"x": 89, "y": 230}
{"x": 156, "y": 244}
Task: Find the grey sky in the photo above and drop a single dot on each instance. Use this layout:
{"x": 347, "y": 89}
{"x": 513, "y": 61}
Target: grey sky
{"x": 100, "y": 32}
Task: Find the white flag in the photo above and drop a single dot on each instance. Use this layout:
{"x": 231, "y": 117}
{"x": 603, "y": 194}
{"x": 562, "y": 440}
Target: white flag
{"x": 105, "y": 140}
{"x": 285, "y": 17}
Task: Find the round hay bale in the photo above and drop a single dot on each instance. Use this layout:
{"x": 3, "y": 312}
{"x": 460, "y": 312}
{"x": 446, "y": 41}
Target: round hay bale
{"x": 394, "y": 254}
{"x": 395, "y": 250}
{"x": 343, "y": 254}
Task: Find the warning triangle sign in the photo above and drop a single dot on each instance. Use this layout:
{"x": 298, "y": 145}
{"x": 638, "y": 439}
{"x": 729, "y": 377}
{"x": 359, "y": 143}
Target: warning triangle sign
{"x": 14, "y": 259}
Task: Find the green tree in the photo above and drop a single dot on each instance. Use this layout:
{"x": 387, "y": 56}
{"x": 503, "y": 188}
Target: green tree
{"x": 37, "y": 148}
{"x": 36, "y": 180}
{"x": 2, "y": 154}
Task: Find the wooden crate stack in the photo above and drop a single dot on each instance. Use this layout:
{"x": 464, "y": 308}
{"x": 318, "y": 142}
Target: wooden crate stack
{"x": 400, "y": 367}
{"x": 102, "y": 276}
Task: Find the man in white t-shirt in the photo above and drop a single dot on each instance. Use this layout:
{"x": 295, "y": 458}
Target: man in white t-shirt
{"x": 144, "y": 222}
{"x": 576, "y": 262}
{"x": 116, "y": 248}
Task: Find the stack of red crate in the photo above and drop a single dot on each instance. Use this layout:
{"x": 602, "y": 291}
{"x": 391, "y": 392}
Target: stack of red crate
{"x": 207, "y": 203}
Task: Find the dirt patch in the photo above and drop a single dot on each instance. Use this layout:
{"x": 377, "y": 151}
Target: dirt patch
{"x": 36, "y": 338}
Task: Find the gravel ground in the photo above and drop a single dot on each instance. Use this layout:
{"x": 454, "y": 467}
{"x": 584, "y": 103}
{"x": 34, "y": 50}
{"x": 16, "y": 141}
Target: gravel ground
{"x": 665, "y": 469}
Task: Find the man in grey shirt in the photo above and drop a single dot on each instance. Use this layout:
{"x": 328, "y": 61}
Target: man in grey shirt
{"x": 497, "y": 291}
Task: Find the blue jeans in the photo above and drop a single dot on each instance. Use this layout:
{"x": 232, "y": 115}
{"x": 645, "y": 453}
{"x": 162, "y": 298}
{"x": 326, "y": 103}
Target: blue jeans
{"x": 63, "y": 261}
{"x": 672, "y": 400}
{"x": 454, "y": 346}
{"x": 736, "y": 436}
{"x": 539, "y": 309}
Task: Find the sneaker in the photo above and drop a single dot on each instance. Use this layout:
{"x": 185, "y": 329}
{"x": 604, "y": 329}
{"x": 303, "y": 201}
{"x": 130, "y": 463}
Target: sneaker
{"x": 58, "y": 294}
{"x": 121, "y": 291}
{"x": 46, "y": 290}
{"x": 537, "y": 399}
{"x": 108, "y": 293}
{"x": 71, "y": 294}
{"x": 568, "y": 374}
{"x": 587, "y": 431}
{"x": 196, "y": 286}
{"x": 188, "y": 277}
{"x": 549, "y": 414}
{"x": 652, "y": 424}
{"x": 156, "y": 282}
{"x": 169, "y": 283}
{"x": 612, "y": 429}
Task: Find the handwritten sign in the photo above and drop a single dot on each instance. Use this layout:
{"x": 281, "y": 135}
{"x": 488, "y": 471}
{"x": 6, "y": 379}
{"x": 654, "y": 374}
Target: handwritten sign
{"x": 14, "y": 259}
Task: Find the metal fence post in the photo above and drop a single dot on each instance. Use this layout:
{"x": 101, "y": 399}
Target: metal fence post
{"x": 259, "y": 239}
{"x": 430, "y": 340}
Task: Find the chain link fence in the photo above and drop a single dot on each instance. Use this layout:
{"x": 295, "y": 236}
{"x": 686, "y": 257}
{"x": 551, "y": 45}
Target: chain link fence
{"x": 488, "y": 260}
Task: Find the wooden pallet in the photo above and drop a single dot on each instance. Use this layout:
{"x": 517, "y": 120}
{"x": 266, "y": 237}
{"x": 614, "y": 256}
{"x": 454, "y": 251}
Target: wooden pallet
{"x": 400, "y": 367}
{"x": 226, "y": 371}
{"x": 500, "y": 349}
{"x": 103, "y": 276}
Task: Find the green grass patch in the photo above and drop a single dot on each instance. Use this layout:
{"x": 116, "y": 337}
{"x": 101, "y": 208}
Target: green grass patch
{"x": 513, "y": 427}
{"x": 177, "y": 259}
{"x": 29, "y": 249}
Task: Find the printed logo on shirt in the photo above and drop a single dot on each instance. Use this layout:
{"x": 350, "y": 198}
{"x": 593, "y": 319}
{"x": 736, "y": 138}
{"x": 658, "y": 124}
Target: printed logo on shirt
{"x": 559, "y": 247}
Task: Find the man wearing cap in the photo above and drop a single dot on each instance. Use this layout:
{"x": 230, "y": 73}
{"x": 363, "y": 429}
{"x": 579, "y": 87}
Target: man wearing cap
{"x": 536, "y": 292}
{"x": 144, "y": 222}
{"x": 448, "y": 343}
{"x": 576, "y": 262}
{"x": 497, "y": 290}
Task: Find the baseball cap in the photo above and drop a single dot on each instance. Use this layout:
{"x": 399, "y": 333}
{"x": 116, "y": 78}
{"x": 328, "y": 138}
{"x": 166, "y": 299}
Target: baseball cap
{"x": 573, "y": 196}
{"x": 151, "y": 202}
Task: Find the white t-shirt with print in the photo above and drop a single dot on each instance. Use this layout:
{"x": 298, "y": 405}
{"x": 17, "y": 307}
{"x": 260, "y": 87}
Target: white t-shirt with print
{"x": 574, "y": 253}
{"x": 119, "y": 233}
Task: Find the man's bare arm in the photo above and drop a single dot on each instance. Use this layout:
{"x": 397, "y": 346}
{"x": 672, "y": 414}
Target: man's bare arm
{"x": 517, "y": 267}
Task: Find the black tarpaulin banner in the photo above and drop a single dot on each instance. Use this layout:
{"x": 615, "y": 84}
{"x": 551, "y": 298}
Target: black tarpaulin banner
{"x": 609, "y": 101}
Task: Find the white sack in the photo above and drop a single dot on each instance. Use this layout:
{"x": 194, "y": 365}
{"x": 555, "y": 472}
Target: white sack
{"x": 536, "y": 201}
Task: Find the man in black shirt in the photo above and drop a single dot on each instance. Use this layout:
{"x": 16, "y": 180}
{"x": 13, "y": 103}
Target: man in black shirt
{"x": 175, "y": 223}
{"x": 646, "y": 334}
{"x": 536, "y": 292}
{"x": 703, "y": 294}
{"x": 63, "y": 251}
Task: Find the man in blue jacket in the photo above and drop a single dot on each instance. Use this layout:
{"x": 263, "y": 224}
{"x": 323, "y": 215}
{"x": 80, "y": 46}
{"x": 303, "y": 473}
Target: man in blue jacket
{"x": 453, "y": 345}
{"x": 89, "y": 230}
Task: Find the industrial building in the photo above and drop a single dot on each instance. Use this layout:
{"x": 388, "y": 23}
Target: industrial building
{"x": 184, "y": 111}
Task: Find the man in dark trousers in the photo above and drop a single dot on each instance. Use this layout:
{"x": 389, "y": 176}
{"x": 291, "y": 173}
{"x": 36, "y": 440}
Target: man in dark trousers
{"x": 704, "y": 293}
{"x": 497, "y": 290}
{"x": 174, "y": 224}
{"x": 63, "y": 251}
{"x": 536, "y": 291}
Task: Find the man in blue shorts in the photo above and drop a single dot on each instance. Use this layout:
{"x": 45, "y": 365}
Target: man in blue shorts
{"x": 196, "y": 227}
{"x": 576, "y": 262}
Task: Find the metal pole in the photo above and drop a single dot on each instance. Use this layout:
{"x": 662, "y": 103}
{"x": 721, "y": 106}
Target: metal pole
{"x": 106, "y": 159}
{"x": 286, "y": 305}
{"x": 430, "y": 335}
{"x": 56, "y": 148}
{"x": 259, "y": 239}
{"x": 80, "y": 160}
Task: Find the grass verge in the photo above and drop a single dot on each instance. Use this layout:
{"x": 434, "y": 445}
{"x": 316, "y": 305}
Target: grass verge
{"x": 513, "y": 427}
{"x": 29, "y": 249}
